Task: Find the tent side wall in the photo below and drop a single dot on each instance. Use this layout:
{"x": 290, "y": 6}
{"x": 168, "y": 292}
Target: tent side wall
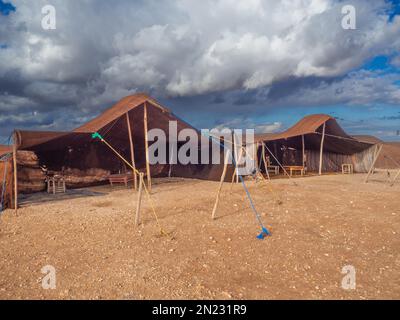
{"x": 335, "y": 153}
{"x": 332, "y": 162}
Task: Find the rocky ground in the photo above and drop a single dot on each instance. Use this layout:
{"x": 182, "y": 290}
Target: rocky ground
{"x": 319, "y": 225}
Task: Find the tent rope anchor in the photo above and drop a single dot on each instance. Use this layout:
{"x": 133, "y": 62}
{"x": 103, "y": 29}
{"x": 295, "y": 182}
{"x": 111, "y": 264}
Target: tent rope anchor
{"x": 97, "y": 135}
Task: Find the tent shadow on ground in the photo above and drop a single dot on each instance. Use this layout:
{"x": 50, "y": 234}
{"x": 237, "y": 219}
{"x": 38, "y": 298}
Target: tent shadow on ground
{"x": 43, "y": 197}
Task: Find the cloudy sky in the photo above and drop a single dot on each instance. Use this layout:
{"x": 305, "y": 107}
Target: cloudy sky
{"x": 240, "y": 64}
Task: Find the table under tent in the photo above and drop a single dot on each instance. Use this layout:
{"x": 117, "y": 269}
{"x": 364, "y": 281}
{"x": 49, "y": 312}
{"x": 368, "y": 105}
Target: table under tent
{"x": 315, "y": 144}
{"x": 85, "y": 161}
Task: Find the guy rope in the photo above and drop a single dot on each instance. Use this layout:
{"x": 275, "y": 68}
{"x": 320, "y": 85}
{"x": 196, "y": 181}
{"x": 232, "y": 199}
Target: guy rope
{"x": 96, "y": 135}
{"x": 264, "y": 231}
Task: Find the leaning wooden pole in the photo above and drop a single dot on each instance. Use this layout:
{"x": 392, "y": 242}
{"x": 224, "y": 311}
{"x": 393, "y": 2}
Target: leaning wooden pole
{"x": 220, "y": 185}
{"x": 15, "y": 173}
{"x": 170, "y": 163}
{"x": 303, "y": 150}
{"x": 139, "y": 199}
{"x": 128, "y": 123}
{"x": 322, "y": 149}
{"x": 265, "y": 162}
{"x": 237, "y": 159}
{"x": 376, "y": 155}
{"x": 256, "y": 155}
{"x": 146, "y": 143}
{"x": 236, "y": 171}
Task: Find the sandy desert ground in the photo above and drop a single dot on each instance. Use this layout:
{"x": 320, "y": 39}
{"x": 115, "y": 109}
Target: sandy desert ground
{"x": 323, "y": 224}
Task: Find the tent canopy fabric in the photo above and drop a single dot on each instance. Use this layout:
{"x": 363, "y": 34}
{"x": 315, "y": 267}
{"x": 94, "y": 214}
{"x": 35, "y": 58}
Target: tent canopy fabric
{"x": 307, "y": 125}
{"x": 77, "y": 149}
{"x": 120, "y": 108}
{"x": 111, "y": 124}
{"x": 336, "y": 139}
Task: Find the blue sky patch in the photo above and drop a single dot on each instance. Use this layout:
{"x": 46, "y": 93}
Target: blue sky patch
{"x": 6, "y": 8}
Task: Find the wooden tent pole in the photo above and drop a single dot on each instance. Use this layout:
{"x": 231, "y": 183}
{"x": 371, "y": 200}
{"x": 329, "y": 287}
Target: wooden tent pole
{"x": 265, "y": 161}
{"x": 235, "y": 174}
{"x": 147, "y": 148}
{"x": 15, "y": 173}
{"x": 263, "y": 157}
{"x": 322, "y": 149}
{"x": 139, "y": 199}
{"x": 220, "y": 186}
{"x": 236, "y": 159}
{"x": 128, "y": 123}
{"x": 376, "y": 155}
{"x": 256, "y": 155}
{"x": 303, "y": 150}
{"x": 10, "y": 186}
{"x": 170, "y": 165}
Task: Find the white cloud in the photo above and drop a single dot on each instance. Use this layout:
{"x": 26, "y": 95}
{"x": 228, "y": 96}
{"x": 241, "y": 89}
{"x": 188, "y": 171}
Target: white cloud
{"x": 396, "y": 61}
{"x": 103, "y": 50}
{"x": 192, "y": 47}
{"x": 246, "y": 123}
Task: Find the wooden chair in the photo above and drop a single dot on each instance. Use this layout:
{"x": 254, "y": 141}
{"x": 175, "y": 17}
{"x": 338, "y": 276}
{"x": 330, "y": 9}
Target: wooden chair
{"x": 56, "y": 184}
{"x": 347, "y": 168}
{"x": 271, "y": 168}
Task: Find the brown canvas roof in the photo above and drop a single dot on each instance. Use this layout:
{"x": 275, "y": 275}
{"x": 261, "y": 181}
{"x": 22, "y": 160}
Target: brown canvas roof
{"x": 307, "y": 125}
{"x": 28, "y": 139}
{"x": 120, "y": 108}
{"x": 110, "y": 119}
{"x": 336, "y": 139}
{"x": 368, "y": 139}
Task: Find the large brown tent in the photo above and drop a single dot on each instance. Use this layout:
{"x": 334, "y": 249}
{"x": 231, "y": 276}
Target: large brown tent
{"x": 88, "y": 160}
{"x": 309, "y": 133}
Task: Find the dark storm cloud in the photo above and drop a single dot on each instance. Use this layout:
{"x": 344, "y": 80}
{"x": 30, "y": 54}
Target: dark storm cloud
{"x": 221, "y": 57}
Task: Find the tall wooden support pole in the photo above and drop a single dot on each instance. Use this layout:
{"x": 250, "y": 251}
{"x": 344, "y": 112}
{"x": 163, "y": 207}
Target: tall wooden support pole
{"x": 139, "y": 199}
{"x": 322, "y": 149}
{"x": 236, "y": 171}
{"x": 275, "y": 151}
{"x": 256, "y": 156}
{"x": 303, "y": 151}
{"x": 378, "y": 149}
{"x": 220, "y": 186}
{"x": 170, "y": 163}
{"x": 147, "y": 148}
{"x": 237, "y": 158}
{"x": 265, "y": 161}
{"x": 128, "y": 123}
{"x": 263, "y": 157}
{"x": 15, "y": 173}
